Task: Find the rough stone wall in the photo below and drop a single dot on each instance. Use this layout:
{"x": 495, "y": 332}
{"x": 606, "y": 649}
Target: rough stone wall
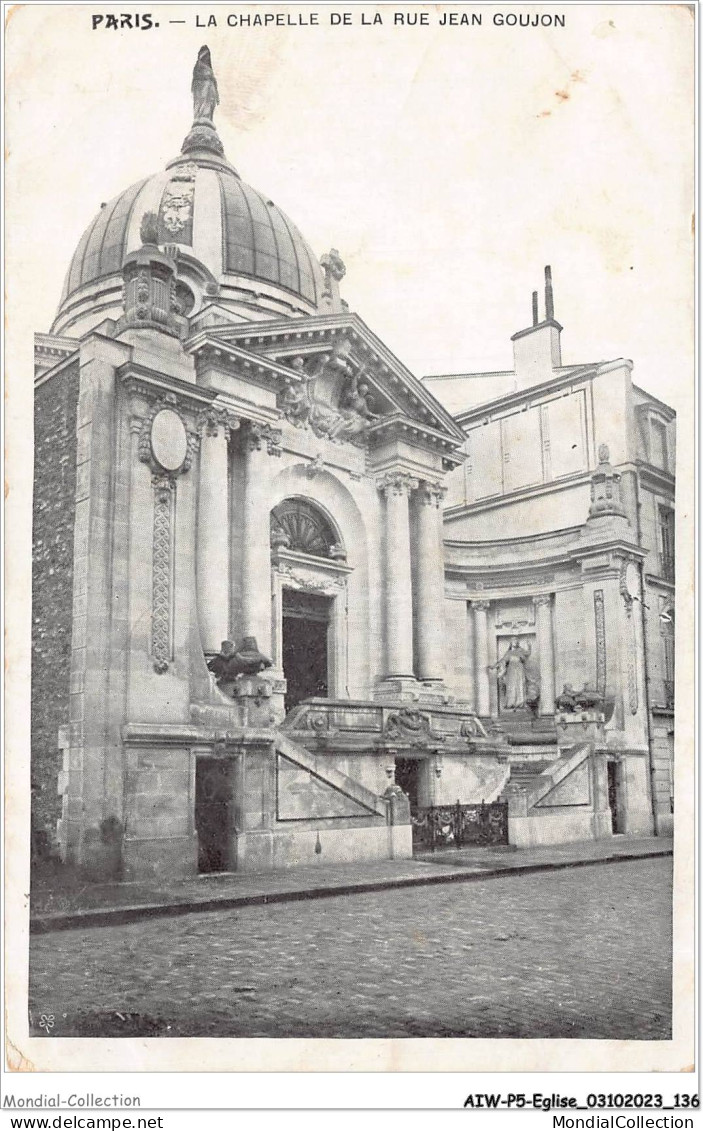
{"x": 55, "y": 406}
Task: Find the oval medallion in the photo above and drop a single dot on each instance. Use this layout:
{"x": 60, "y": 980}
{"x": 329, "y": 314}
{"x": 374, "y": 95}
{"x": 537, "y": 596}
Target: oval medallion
{"x": 169, "y": 441}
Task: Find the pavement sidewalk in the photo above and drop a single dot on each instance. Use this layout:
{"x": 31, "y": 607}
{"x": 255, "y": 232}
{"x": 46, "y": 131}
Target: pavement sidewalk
{"x": 92, "y": 905}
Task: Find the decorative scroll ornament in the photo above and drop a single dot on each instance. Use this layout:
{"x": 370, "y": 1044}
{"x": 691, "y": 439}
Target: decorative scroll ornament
{"x": 431, "y": 494}
{"x": 151, "y": 444}
{"x": 397, "y": 483}
{"x": 259, "y": 434}
{"x": 211, "y": 420}
{"x": 409, "y": 724}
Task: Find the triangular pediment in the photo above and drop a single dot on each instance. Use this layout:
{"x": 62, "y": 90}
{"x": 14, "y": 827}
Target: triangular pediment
{"x": 336, "y": 363}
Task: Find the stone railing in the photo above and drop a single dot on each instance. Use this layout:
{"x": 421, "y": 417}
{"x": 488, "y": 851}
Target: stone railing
{"x": 335, "y": 724}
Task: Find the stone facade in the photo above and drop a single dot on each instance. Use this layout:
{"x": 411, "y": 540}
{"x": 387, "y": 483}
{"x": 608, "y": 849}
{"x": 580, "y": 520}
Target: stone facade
{"x": 278, "y": 565}
{"x": 55, "y": 409}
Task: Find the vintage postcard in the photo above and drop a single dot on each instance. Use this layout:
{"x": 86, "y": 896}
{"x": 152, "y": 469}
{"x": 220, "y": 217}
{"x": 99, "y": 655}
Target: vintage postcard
{"x": 348, "y": 727}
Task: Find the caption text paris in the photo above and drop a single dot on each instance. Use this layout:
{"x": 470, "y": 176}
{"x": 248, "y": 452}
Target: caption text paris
{"x": 147, "y": 22}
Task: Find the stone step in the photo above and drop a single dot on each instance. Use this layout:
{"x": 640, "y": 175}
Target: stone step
{"x": 523, "y": 773}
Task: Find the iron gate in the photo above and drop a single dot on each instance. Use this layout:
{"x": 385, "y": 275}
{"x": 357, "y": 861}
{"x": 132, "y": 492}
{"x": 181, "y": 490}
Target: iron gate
{"x": 455, "y": 826}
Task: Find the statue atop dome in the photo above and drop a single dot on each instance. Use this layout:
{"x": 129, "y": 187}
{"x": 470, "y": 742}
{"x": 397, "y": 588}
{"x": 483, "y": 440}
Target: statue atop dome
{"x": 204, "y": 87}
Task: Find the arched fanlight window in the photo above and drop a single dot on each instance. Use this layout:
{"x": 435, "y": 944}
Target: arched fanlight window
{"x": 298, "y": 525}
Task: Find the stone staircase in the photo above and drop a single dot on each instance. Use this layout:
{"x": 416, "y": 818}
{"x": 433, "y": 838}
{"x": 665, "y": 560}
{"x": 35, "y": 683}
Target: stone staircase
{"x": 523, "y": 774}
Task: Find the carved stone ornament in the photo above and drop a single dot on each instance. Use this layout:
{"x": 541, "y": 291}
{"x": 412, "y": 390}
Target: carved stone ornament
{"x": 162, "y": 574}
{"x": 431, "y": 494}
{"x": 231, "y": 662}
{"x": 408, "y": 723}
{"x": 160, "y": 436}
{"x": 332, "y": 396}
{"x": 259, "y": 434}
{"x": 177, "y": 203}
{"x": 297, "y": 580}
{"x": 605, "y": 488}
{"x": 211, "y": 420}
{"x": 397, "y": 483}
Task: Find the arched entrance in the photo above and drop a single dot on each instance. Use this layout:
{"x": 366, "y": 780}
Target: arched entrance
{"x": 309, "y": 564}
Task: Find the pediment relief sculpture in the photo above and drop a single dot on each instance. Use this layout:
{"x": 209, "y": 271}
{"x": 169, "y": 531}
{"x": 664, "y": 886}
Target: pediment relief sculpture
{"x": 332, "y": 396}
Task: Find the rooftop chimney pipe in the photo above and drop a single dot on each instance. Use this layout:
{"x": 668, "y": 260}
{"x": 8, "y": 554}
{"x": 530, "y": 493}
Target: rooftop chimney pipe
{"x": 548, "y": 295}
{"x": 535, "y": 309}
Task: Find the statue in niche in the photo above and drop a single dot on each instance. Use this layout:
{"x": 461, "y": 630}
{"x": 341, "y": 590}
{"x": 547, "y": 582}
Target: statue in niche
{"x": 511, "y": 672}
{"x": 232, "y": 662}
{"x": 204, "y": 87}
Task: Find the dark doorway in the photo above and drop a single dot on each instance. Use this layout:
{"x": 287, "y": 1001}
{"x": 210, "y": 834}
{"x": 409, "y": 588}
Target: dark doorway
{"x": 306, "y": 618}
{"x": 213, "y": 807}
{"x": 615, "y": 796}
{"x": 407, "y": 772}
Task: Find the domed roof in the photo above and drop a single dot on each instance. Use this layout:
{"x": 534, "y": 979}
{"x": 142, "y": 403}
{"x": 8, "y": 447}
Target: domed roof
{"x": 249, "y": 247}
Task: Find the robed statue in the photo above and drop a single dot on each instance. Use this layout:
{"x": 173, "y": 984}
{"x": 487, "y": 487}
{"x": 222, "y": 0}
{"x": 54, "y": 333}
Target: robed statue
{"x": 204, "y": 86}
{"x": 511, "y": 671}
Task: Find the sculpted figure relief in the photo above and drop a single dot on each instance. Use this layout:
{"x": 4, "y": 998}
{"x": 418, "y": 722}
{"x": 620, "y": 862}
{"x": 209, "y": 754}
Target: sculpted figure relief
{"x": 510, "y": 669}
{"x": 232, "y": 662}
{"x": 354, "y": 412}
{"x": 204, "y": 86}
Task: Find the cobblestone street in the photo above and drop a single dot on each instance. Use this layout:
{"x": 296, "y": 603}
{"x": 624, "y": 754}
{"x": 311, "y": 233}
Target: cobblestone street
{"x": 582, "y": 953}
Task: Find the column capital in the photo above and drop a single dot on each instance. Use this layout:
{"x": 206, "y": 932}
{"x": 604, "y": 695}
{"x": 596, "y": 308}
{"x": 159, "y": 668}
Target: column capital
{"x": 542, "y": 599}
{"x": 431, "y": 493}
{"x": 257, "y": 434}
{"x": 481, "y": 606}
{"x": 210, "y": 421}
{"x": 397, "y": 483}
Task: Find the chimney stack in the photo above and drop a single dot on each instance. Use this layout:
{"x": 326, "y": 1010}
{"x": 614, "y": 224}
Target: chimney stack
{"x": 537, "y": 350}
{"x": 548, "y": 295}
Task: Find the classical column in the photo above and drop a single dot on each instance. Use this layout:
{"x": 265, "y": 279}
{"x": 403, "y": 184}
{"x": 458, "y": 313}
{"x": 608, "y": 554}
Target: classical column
{"x": 429, "y": 598}
{"x": 212, "y": 545}
{"x": 398, "y": 580}
{"x": 545, "y": 644}
{"x": 483, "y": 690}
{"x": 260, "y": 442}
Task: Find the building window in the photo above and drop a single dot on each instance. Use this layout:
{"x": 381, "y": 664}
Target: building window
{"x": 298, "y": 525}
{"x": 660, "y": 454}
{"x": 667, "y": 543}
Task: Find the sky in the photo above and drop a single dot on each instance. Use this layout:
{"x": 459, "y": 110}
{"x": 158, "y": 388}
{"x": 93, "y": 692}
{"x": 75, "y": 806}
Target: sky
{"x": 448, "y": 164}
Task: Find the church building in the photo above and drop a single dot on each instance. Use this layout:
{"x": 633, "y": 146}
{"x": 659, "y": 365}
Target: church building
{"x": 294, "y": 604}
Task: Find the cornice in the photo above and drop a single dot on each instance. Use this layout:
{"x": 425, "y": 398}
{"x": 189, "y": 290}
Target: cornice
{"x": 152, "y": 383}
{"x": 533, "y": 392}
{"x": 579, "y": 478}
{"x": 307, "y": 331}
{"x": 656, "y": 476}
{"x": 208, "y": 346}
